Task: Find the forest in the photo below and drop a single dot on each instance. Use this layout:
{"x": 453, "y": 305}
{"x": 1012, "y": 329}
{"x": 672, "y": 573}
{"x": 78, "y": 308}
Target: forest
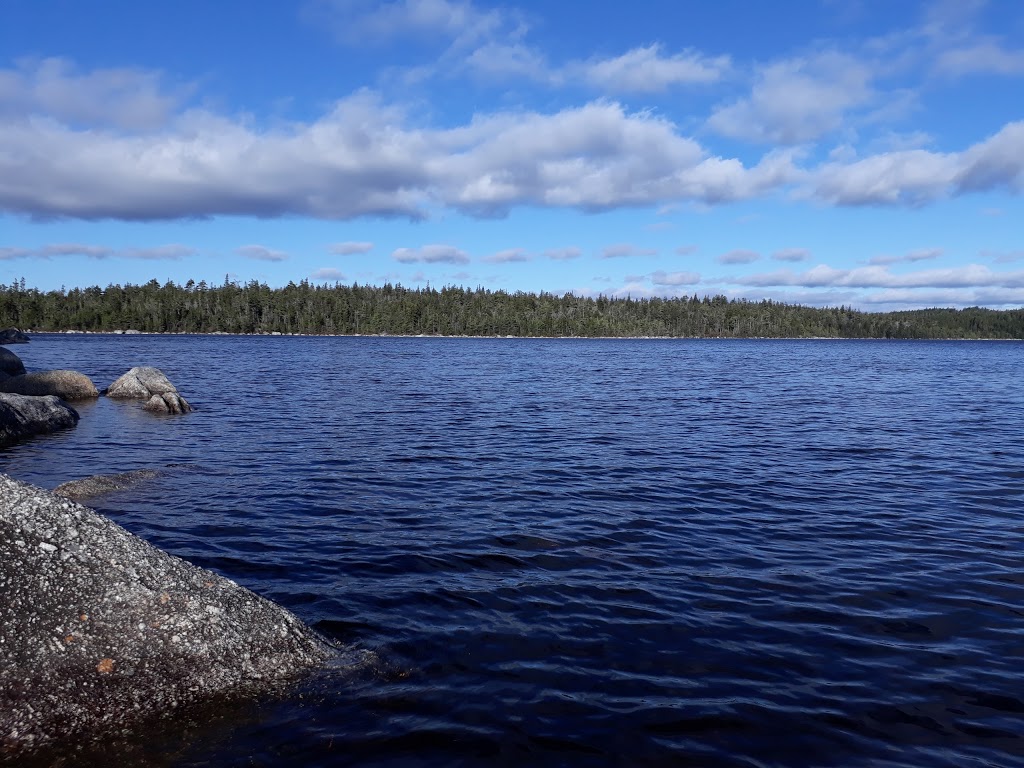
{"x": 306, "y": 308}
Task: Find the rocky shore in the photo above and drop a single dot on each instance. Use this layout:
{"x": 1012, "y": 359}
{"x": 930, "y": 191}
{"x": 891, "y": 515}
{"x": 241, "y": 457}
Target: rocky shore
{"x": 99, "y": 630}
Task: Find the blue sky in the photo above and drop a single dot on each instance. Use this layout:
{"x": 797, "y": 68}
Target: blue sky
{"x": 820, "y": 152}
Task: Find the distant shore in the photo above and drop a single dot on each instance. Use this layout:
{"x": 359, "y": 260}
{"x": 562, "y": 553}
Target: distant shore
{"x": 132, "y": 332}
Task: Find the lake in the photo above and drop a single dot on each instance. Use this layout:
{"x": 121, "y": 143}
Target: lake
{"x": 588, "y": 552}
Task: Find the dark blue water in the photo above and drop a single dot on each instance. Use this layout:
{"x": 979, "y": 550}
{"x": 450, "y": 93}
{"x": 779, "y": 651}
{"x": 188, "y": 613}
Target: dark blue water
{"x": 590, "y": 552}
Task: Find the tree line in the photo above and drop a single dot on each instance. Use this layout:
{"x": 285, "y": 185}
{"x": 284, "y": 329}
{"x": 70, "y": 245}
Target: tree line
{"x": 307, "y": 308}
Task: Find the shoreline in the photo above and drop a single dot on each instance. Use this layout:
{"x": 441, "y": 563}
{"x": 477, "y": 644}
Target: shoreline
{"x": 118, "y": 332}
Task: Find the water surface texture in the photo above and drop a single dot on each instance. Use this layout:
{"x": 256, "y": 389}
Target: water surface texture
{"x": 590, "y": 552}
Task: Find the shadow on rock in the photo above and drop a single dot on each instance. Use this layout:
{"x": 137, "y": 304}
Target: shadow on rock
{"x": 23, "y": 416}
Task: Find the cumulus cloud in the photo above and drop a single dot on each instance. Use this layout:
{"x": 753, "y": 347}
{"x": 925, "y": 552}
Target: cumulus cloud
{"x": 367, "y": 158}
{"x": 685, "y": 250}
{"x": 170, "y": 252}
{"x": 797, "y": 100}
{"x": 979, "y": 57}
{"x": 620, "y": 250}
{"x": 327, "y": 273}
{"x": 261, "y": 253}
{"x": 675, "y": 278}
{"x": 363, "y": 159}
{"x": 792, "y": 254}
{"x": 648, "y": 70}
{"x": 739, "y": 256}
{"x": 126, "y": 99}
{"x": 507, "y": 256}
{"x": 350, "y": 248}
{"x": 431, "y": 254}
{"x": 915, "y": 177}
{"x": 563, "y": 254}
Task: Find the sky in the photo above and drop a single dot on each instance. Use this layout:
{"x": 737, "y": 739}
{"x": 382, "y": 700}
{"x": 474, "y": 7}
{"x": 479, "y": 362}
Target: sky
{"x": 824, "y": 152}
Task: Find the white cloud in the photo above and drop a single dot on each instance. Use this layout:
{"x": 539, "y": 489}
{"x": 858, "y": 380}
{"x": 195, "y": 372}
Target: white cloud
{"x": 739, "y": 256}
{"x": 362, "y": 159}
{"x": 686, "y": 250}
{"x": 350, "y": 248}
{"x": 620, "y": 250}
{"x": 922, "y": 254}
{"x": 985, "y": 56}
{"x": 431, "y": 254}
{"x": 367, "y": 158}
{"x": 1004, "y": 257}
{"x": 261, "y": 253}
{"x": 792, "y": 254}
{"x": 915, "y": 177}
{"x": 647, "y": 70}
{"x": 971, "y": 275}
{"x": 797, "y": 100}
{"x": 126, "y": 99}
{"x": 507, "y": 256}
{"x": 327, "y": 273}
{"x": 675, "y": 278}
{"x": 170, "y": 252}
{"x": 563, "y": 254}
{"x": 368, "y": 22}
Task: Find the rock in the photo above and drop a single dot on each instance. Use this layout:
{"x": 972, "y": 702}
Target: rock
{"x": 13, "y": 336}
{"x": 67, "y": 385}
{"x": 150, "y": 384}
{"x": 101, "y": 632}
{"x": 22, "y": 416}
{"x": 10, "y": 363}
{"x": 98, "y": 485}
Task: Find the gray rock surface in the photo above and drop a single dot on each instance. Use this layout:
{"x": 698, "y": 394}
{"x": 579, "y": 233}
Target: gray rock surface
{"x": 100, "y": 630}
{"x": 22, "y": 416}
{"x": 13, "y": 336}
{"x": 67, "y": 385}
{"x": 10, "y": 363}
{"x": 149, "y": 384}
{"x": 98, "y": 485}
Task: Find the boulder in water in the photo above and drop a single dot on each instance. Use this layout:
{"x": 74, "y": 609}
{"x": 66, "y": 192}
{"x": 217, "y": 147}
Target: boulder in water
{"x": 10, "y": 363}
{"x": 67, "y": 385}
{"x": 98, "y": 485}
{"x": 22, "y": 416}
{"x": 13, "y": 336}
{"x": 99, "y": 630}
{"x": 149, "y": 384}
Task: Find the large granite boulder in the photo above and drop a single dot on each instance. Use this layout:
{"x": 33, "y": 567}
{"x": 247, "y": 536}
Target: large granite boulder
{"x": 13, "y": 336}
{"x": 149, "y": 384}
{"x": 67, "y": 385}
{"x": 22, "y": 416}
{"x": 10, "y": 363}
{"x": 100, "y": 631}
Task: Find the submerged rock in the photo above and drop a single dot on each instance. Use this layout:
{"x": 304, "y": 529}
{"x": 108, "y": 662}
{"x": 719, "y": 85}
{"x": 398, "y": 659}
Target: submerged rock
{"x": 149, "y": 384}
{"x": 13, "y": 336}
{"x": 98, "y": 485}
{"x": 67, "y": 385}
{"x": 10, "y": 363}
{"x": 100, "y": 630}
{"x": 22, "y": 416}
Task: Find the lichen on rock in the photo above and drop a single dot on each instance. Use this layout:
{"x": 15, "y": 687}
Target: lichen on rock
{"x": 100, "y": 630}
